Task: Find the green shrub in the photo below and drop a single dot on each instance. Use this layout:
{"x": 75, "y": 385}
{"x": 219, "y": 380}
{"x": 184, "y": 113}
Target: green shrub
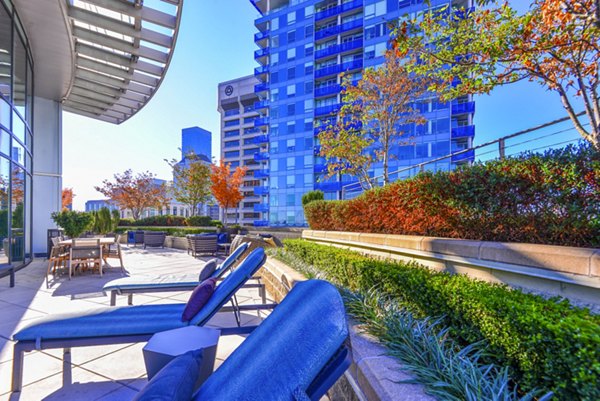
{"x": 73, "y": 223}
{"x": 162, "y": 221}
{"x": 198, "y": 221}
{"x": 311, "y": 196}
{"x": 550, "y": 198}
{"x": 548, "y": 344}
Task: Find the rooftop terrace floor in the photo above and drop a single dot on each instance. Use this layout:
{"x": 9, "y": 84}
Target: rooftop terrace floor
{"x": 113, "y": 372}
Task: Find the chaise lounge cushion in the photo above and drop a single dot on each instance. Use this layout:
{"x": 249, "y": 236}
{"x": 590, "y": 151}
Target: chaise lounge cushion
{"x": 309, "y": 325}
{"x": 142, "y": 319}
{"x": 137, "y": 320}
{"x": 174, "y": 382}
{"x": 198, "y": 299}
{"x": 208, "y": 269}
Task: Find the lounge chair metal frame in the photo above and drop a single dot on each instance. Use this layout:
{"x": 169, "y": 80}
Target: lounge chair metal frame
{"x": 148, "y": 288}
{"x": 22, "y": 346}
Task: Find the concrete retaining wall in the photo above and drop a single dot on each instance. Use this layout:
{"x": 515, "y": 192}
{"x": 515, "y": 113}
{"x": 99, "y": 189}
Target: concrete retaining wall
{"x": 570, "y": 272}
{"x": 373, "y": 376}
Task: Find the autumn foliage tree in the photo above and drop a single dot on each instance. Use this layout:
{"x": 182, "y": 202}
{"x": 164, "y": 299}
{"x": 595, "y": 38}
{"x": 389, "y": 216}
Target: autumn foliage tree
{"x": 226, "y": 185}
{"x": 555, "y": 44}
{"x": 135, "y": 193}
{"x": 191, "y": 181}
{"x": 67, "y": 198}
{"x": 373, "y": 119}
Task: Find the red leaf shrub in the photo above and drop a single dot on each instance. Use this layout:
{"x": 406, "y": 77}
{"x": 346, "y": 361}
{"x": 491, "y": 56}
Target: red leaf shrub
{"x": 550, "y": 198}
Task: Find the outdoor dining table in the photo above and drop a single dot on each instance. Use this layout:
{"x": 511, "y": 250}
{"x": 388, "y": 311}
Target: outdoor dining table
{"x": 103, "y": 241}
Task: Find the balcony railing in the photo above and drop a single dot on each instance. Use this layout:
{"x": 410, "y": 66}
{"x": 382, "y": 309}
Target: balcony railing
{"x": 261, "y": 156}
{"x": 261, "y": 223}
{"x": 261, "y": 36}
{"x": 261, "y": 207}
{"x": 329, "y": 70}
{"x": 328, "y": 186}
{"x": 261, "y": 121}
{"x": 354, "y": 44}
{"x": 261, "y": 87}
{"x": 261, "y": 53}
{"x": 465, "y": 131}
{"x": 261, "y": 139}
{"x": 261, "y": 191}
{"x": 462, "y": 108}
{"x": 261, "y": 173}
{"x": 264, "y": 69}
{"x": 351, "y": 25}
{"x": 351, "y": 5}
{"x": 328, "y": 51}
{"x": 328, "y": 90}
{"x": 329, "y": 109}
{"x": 330, "y": 12}
{"x": 261, "y": 104}
{"x": 326, "y": 32}
{"x": 249, "y": 131}
{"x": 320, "y": 168}
{"x": 463, "y": 157}
{"x": 352, "y": 65}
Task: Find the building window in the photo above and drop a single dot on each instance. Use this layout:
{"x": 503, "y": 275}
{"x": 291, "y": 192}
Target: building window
{"x": 290, "y": 181}
{"x": 308, "y": 31}
{"x": 291, "y": 36}
{"x": 291, "y": 90}
{"x": 308, "y": 50}
{"x": 291, "y": 54}
{"x": 291, "y": 109}
{"x": 291, "y": 73}
{"x": 291, "y": 18}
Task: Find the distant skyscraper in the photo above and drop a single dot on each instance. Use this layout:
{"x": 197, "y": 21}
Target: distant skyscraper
{"x": 304, "y": 46}
{"x": 197, "y": 140}
{"x": 244, "y": 144}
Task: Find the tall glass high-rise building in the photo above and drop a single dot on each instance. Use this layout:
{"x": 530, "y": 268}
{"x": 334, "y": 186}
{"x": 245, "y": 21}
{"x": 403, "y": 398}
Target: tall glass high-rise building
{"x": 304, "y": 46}
{"x": 196, "y": 140}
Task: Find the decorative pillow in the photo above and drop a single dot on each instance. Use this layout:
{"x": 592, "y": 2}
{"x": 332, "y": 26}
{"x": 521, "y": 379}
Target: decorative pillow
{"x": 208, "y": 269}
{"x": 175, "y": 381}
{"x": 198, "y": 299}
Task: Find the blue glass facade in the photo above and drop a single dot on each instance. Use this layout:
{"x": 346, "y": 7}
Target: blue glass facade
{"x": 304, "y": 46}
{"x": 197, "y": 140}
{"x": 16, "y": 140}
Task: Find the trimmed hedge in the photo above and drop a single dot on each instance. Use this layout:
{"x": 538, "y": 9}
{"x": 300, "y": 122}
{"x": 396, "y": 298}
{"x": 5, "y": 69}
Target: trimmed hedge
{"x": 174, "y": 231}
{"x": 548, "y": 344}
{"x": 550, "y": 198}
{"x": 170, "y": 221}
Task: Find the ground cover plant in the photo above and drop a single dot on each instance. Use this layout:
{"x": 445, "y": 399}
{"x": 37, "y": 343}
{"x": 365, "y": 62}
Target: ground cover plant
{"x": 547, "y": 344}
{"x": 549, "y": 198}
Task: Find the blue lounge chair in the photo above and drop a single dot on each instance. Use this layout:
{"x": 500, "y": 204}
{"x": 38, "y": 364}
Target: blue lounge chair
{"x": 127, "y": 324}
{"x": 305, "y": 353}
{"x": 164, "y": 283}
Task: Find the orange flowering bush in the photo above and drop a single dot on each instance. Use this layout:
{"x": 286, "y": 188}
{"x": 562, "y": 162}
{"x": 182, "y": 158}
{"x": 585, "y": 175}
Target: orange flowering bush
{"x": 550, "y": 198}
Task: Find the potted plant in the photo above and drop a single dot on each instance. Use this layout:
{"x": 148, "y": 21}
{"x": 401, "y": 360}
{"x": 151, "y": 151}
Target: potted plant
{"x": 73, "y": 223}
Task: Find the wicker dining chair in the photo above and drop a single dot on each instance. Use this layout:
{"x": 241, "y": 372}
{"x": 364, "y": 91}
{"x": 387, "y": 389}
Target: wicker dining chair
{"x": 114, "y": 251}
{"x": 83, "y": 252}
{"x": 58, "y": 258}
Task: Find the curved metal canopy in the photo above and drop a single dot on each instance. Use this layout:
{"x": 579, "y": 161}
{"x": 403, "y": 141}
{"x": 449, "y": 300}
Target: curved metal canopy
{"x": 122, "y": 49}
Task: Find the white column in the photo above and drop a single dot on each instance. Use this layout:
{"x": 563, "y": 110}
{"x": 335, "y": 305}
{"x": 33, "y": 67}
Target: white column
{"x": 47, "y": 169}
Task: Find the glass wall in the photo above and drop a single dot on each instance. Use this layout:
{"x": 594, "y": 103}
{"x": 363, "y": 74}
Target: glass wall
{"x": 16, "y": 137}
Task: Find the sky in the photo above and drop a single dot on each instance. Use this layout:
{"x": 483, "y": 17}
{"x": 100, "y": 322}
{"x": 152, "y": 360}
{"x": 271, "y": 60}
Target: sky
{"x": 216, "y": 44}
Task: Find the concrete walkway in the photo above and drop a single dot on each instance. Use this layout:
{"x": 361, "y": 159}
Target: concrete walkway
{"x": 113, "y": 372}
